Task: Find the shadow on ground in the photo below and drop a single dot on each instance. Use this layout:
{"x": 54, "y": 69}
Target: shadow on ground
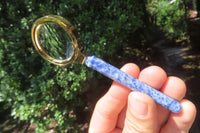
{"x": 182, "y": 60}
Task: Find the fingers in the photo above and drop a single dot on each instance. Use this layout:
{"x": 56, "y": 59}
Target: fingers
{"x": 120, "y": 92}
{"x": 176, "y": 89}
{"x": 153, "y": 76}
{"x": 107, "y": 109}
{"x": 181, "y": 122}
{"x": 172, "y": 86}
{"x": 141, "y": 114}
{"x": 142, "y": 110}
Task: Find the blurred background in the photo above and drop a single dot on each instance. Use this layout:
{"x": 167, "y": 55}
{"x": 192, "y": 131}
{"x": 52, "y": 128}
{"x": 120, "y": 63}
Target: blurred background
{"x": 36, "y": 96}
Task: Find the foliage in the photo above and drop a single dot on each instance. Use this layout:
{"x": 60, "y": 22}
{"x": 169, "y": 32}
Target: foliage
{"x": 169, "y": 17}
{"x": 41, "y": 92}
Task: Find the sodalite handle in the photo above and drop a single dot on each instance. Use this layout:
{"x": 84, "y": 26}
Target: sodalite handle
{"x": 132, "y": 83}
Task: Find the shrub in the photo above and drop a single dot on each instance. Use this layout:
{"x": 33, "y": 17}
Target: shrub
{"x": 40, "y": 92}
{"x": 169, "y": 17}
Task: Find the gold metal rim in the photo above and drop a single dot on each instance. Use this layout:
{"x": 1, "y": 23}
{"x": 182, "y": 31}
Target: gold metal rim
{"x": 67, "y": 26}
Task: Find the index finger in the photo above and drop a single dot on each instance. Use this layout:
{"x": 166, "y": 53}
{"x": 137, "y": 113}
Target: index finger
{"x": 107, "y": 109}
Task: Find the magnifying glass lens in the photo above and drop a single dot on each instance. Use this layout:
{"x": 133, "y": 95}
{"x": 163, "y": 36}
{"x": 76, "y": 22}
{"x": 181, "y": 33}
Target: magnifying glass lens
{"x": 55, "y": 41}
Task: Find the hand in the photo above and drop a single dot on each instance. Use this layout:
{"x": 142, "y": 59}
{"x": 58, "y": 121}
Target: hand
{"x": 121, "y": 110}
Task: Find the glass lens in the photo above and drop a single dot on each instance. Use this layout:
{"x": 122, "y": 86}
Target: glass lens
{"x": 55, "y": 41}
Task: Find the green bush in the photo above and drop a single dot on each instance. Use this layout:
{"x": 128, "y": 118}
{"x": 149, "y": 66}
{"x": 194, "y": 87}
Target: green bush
{"x": 43, "y": 93}
{"x": 169, "y": 17}
{"x": 40, "y": 92}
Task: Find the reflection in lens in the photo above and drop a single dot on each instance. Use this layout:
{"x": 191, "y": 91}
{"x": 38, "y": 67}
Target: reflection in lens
{"x": 55, "y": 41}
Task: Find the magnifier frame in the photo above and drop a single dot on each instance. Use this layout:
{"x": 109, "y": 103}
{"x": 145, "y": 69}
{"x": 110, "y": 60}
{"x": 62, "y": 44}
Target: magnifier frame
{"x": 69, "y": 28}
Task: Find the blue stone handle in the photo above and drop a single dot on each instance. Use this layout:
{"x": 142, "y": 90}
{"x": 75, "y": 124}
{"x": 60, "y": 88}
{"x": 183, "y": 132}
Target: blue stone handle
{"x": 132, "y": 83}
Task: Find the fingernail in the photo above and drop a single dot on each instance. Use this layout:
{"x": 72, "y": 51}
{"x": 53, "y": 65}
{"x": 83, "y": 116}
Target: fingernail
{"x": 138, "y": 106}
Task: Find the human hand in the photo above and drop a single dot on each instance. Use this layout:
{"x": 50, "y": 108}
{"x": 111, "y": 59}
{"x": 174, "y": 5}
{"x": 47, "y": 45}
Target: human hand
{"x": 122, "y": 110}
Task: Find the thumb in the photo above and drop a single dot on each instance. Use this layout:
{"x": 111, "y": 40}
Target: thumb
{"x": 141, "y": 115}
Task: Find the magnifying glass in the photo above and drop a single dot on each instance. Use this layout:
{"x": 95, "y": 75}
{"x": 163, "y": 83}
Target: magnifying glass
{"x": 57, "y": 41}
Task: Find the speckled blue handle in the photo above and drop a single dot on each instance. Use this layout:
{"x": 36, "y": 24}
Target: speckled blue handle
{"x": 132, "y": 83}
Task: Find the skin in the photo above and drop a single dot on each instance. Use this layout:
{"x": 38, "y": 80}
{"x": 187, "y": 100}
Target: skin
{"x": 123, "y": 111}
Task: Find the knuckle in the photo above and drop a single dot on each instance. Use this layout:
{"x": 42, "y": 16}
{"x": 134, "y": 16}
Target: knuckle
{"x": 137, "y": 127}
